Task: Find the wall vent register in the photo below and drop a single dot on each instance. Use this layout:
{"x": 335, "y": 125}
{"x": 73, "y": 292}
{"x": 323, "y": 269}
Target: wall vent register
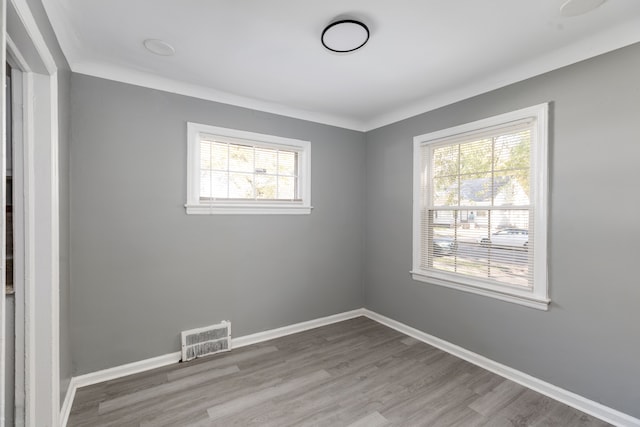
{"x": 206, "y": 341}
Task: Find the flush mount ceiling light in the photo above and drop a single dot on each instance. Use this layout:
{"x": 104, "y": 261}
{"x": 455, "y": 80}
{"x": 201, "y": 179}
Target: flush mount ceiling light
{"x": 579, "y": 7}
{"x": 345, "y": 36}
{"x": 159, "y": 47}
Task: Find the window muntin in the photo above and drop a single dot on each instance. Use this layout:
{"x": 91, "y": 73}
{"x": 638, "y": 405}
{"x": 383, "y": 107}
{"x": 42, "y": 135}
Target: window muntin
{"x": 233, "y": 171}
{"x": 480, "y": 207}
{"x": 491, "y": 175}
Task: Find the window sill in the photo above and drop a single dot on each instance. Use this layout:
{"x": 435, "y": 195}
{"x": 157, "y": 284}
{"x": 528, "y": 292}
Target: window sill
{"x": 245, "y": 209}
{"x": 521, "y": 297}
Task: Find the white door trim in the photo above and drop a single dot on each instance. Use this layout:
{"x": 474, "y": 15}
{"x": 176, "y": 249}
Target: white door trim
{"x": 41, "y": 225}
{"x": 18, "y": 94}
{"x": 3, "y": 308}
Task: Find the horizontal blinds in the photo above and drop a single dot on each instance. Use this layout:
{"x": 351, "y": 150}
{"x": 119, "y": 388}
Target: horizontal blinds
{"x": 233, "y": 171}
{"x": 477, "y": 215}
{"x": 206, "y": 137}
{"x": 488, "y": 132}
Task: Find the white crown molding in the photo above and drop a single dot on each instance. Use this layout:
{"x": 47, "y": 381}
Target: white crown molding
{"x": 601, "y": 43}
{"x": 151, "y": 81}
{"x": 71, "y": 45}
{"x": 569, "y": 398}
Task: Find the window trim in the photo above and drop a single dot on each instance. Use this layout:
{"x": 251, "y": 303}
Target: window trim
{"x": 240, "y": 207}
{"x": 537, "y": 296}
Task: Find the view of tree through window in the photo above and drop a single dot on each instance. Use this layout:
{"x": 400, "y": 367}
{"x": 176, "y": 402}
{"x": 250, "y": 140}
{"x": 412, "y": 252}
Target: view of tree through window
{"x": 238, "y": 171}
{"x": 478, "y": 212}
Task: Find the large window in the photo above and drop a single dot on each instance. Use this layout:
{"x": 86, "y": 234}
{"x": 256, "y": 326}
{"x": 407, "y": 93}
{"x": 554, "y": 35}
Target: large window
{"x": 480, "y": 207}
{"x": 233, "y": 171}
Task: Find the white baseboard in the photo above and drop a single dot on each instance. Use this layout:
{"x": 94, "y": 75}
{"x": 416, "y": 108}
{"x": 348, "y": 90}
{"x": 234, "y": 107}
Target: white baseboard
{"x": 295, "y": 328}
{"x": 127, "y": 369}
{"x": 574, "y": 400}
{"x": 171, "y": 358}
{"x": 583, "y": 404}
{"x": 111, "y": 374}
{"x": 65, "y": 410}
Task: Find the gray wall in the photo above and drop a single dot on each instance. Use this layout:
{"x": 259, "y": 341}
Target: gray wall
{"x": 142, "y": 270}
{"x": 588, "y": 341}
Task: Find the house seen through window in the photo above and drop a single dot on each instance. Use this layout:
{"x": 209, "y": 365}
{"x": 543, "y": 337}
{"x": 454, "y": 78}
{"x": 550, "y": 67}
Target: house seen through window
{"x": 481, "y": 197}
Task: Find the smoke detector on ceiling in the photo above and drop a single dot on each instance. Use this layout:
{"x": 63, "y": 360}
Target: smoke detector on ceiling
{"x": 579, "y": 7}
{"x": 159, "y": 47}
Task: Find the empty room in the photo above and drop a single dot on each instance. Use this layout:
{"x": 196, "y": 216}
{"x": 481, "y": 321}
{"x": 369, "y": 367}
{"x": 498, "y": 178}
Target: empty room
{"x": 351, "y": 213}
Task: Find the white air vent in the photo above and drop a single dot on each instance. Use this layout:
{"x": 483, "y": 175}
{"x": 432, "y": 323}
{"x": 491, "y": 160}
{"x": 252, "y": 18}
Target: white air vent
{"x": 208, "y": 340}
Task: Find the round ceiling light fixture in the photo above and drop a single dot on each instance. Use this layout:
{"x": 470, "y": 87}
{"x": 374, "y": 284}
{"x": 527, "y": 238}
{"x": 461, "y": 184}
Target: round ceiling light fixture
{"x": 345, "y": 35}
{"x": 159, "y": 47}
{"x": 579, "y": 7}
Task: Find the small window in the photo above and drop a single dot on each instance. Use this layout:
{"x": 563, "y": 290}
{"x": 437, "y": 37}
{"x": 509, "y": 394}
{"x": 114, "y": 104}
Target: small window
{"x": 238, "y": 172}
{"x": 480, "y": 207}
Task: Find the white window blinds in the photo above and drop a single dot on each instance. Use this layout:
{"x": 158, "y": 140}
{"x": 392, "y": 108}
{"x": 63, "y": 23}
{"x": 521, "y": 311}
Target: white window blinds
{"x": 236, "y": 172}
{"x": 477, "y": 208}
{"x": 480, "y": 207}
{"x": 244, "y": 171}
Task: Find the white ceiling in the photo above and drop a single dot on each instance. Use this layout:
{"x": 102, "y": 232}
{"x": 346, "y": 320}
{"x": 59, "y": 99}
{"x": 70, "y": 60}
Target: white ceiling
{"x": 267, "y": 55}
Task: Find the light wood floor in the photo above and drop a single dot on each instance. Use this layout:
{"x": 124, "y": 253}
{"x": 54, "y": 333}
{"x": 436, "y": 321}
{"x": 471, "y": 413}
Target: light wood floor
{"x": 356, "y": 373}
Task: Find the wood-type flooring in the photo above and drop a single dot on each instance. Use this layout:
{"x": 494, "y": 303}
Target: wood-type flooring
{"x": 356, "y": 373}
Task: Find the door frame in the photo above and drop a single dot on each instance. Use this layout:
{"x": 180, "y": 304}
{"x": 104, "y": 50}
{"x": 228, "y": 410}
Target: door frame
{"x": 40, "y": 219}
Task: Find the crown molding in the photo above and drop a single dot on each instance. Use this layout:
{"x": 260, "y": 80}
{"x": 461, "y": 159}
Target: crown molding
{"x": 598, "y": 44}
{"x": 151, "y": 81}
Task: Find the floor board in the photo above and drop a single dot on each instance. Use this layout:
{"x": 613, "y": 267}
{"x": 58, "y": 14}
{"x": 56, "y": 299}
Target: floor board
{"x": 356, "y": 373}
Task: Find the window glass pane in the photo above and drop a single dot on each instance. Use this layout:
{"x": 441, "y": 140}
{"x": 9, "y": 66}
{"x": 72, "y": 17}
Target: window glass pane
{"x": 511, "y": 188}
{"x": 508, "y": 255}
{"x": 475, "y": 157}
{"x": 205, "y": 155}
{"x": 241, "y": 158}
{"x": 475, "y": 190}
{"x": 238, "y": 171}
{"x": 475, "y": 207}
{"x": 286, "y": 188}
{"x": 445, "y": 191}
{"x": 512, "y": 151}
{"x": 484, "y": 244}
{"x": 266, "y": 161}
{"x": 220, "y": 185}
{"x": 445, "y": 161}
{"x": 287, "y": 163}
{"x": 241, "y": 186}
{"x": 205, "y": 184}
{"x": 266, "y": 187}
{"x": 220, "y": 156}
{"x": 231, "y": 170}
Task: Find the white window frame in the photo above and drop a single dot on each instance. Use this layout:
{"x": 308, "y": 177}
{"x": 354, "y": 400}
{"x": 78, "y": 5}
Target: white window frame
{"x": 222, "y": 206}
{"x": 538, "y": 295}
